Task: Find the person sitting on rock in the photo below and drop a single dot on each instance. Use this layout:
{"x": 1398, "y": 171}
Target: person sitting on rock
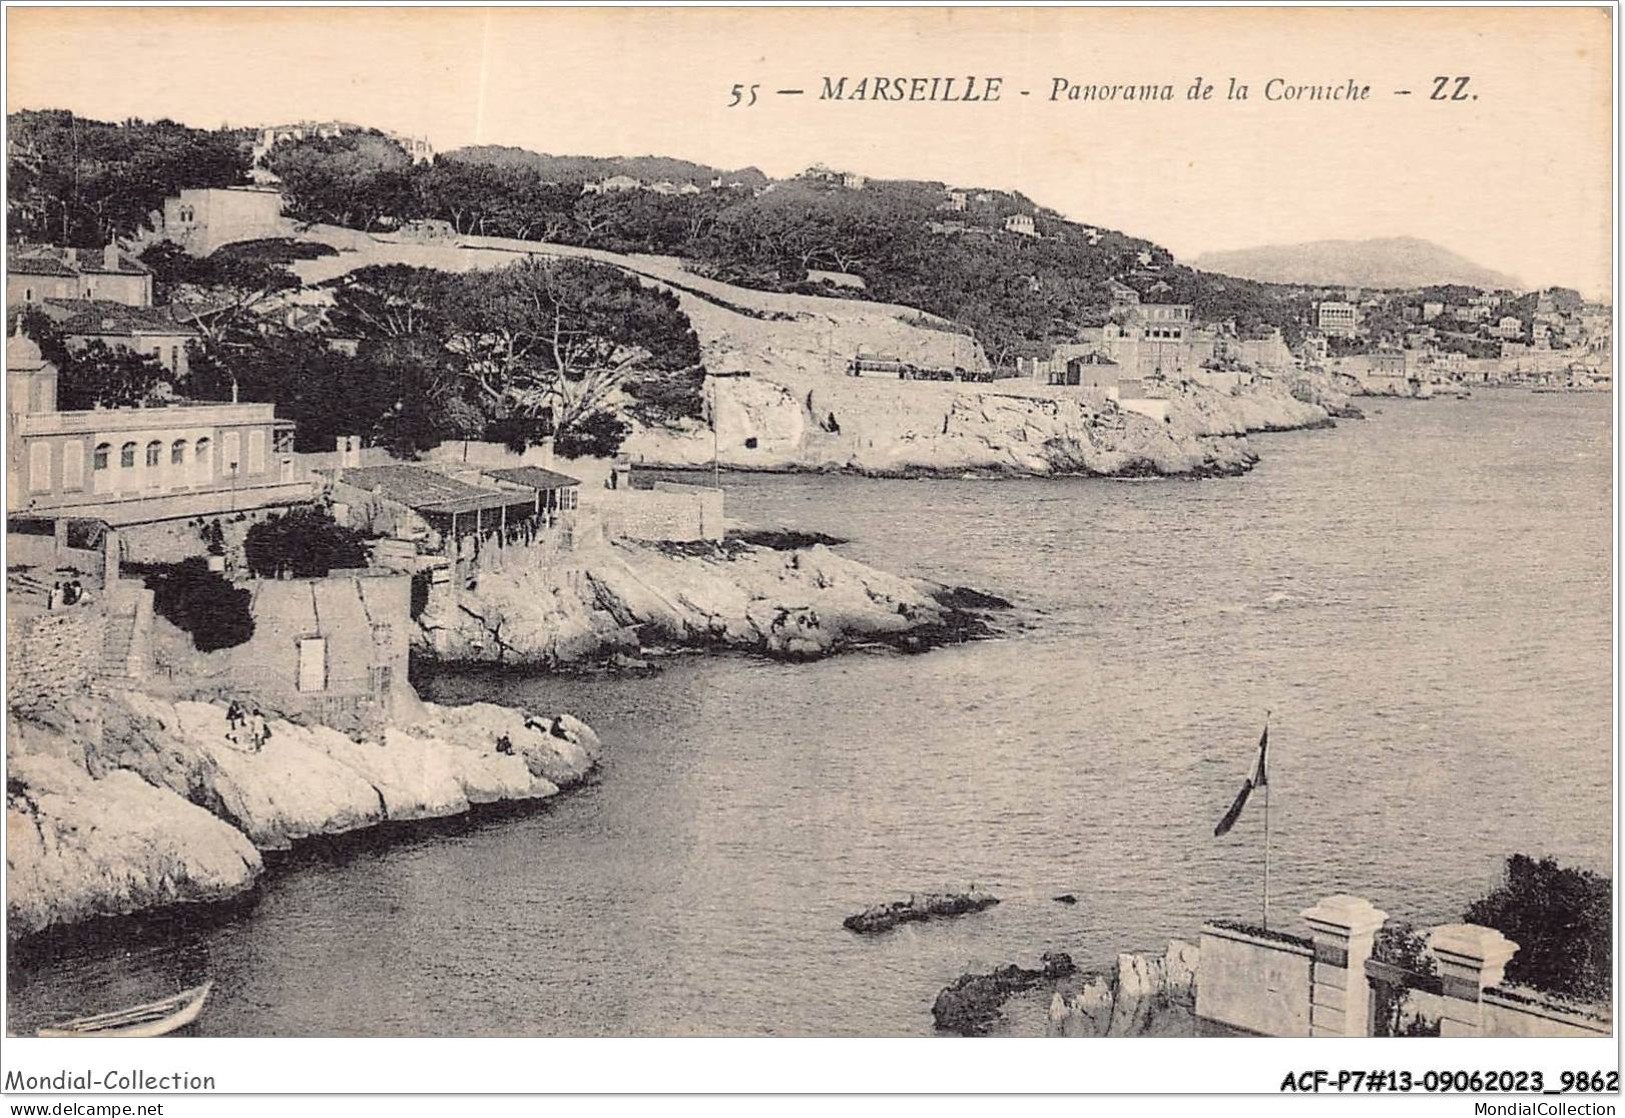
{"x": 234, "y": 719}
{"x": 505, "y": 746}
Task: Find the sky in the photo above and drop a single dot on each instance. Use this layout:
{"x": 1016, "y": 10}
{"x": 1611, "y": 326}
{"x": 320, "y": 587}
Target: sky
{"x": 1516, "y": 176}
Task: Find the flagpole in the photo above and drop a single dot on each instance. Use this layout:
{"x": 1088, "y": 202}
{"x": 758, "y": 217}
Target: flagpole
{"x": 1266, "y": 857}
{"x": 1266, "y": 836}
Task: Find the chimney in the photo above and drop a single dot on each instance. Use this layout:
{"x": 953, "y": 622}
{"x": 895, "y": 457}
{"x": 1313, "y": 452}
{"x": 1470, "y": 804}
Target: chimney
{"x": 110, "y": 256}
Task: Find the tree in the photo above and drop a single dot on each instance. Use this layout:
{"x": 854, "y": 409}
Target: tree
{"x": 200, "y": 602}
{"x": 354, "y": 179}
{"x": 305, "y": 542}
{"x": 1562, "y": 920}
{"x": 226, "y": 297}
{"x": 557, "y": 339}
{"x": 102, "y": 376}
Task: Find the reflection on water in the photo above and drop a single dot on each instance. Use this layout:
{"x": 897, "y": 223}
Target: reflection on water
{"x": 1423, "y": 600}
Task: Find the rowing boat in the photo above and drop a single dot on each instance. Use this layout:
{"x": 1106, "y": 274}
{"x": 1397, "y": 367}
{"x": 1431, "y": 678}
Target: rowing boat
{"x": 151, "y": 1019}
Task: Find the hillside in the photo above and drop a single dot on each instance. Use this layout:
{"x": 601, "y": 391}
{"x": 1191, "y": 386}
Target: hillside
{"x": 1388, "y": 262}
{"x": 588, "y": 168}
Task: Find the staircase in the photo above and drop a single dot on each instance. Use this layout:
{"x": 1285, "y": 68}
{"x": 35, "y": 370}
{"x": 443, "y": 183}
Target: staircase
{"x": 126, "y": 638}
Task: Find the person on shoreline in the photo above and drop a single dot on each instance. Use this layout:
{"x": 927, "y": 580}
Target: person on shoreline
{"x": 258, "y": 731}
{"x": 235, "y": 718}
{"x": 505, "y": 745}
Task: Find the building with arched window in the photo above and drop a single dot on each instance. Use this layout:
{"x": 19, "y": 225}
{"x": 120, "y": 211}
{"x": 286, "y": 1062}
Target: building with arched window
{"x": 147, "y": 465}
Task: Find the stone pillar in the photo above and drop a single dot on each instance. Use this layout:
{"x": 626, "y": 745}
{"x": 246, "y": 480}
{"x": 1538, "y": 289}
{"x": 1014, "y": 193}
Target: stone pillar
{"x": 59, "y": 528}
{"x": 110, "y": 561}
{"x": 1471, "y": 959}
{"x": 1340, "y": 996}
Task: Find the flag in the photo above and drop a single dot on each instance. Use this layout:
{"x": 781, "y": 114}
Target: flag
{"x": 1258, "y": 778}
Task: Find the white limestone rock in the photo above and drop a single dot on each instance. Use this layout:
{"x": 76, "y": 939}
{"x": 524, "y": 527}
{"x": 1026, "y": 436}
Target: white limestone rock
{"x": 78, "y": 847}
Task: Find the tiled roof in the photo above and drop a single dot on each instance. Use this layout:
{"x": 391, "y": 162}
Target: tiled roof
{"x": 426, "y": 490}
{"x": 535, "y": 477}
{"x": 37, "y": 264}
{"x": 104, "y": 318}
{"x": 50, "y": 260}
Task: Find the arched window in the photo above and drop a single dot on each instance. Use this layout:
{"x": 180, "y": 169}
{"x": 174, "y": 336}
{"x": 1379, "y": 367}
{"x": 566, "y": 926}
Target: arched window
{"x": 126, "y": 456}
{"x": 202, "y": 454}
{"x": 99, "y": 460}
{"x": 177, "y": 453}
{"x": 155, "y": 453}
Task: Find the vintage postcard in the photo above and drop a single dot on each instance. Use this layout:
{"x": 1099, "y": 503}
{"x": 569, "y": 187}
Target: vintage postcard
{"x": 822, "y": 522}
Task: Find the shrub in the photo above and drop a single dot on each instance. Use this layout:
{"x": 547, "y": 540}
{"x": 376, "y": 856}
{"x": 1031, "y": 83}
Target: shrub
{"x": 1562, "y": 921}
{"x": 599, "y": 435}
{"x": 200, "y": 602}
{"x": 306, "y": 542}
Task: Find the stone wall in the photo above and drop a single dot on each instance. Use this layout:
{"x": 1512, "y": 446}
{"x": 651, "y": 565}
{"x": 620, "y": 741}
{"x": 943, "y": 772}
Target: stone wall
{"x": 1254, "y": 982}
{"x": 1272, "y": 984}
{"x": 1525, "y": 1013}
{"x": 52, "y": 657}
{"x": 669, "y": 511}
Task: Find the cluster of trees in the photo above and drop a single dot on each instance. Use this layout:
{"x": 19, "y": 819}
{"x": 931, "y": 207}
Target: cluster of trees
{"x": 199, "y": 602}
{"x": 1016, "y": 293}
{"x": 75, "y": 181}
{"x": 305, "y": 543}
{"x": 78, "y": 182}
{"x": 1561, "y": 918}
{"x": 541, "y": 348}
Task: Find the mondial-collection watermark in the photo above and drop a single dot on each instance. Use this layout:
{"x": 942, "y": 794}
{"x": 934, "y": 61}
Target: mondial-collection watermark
{"x": 136, "y": 1079}
{"x": 1543, "y": 1109}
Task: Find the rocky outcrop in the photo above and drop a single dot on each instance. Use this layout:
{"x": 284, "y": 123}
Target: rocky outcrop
{"x": 1148, "y": 995}
{"x": 607, "y": 598}
{"x": 78, "y": 847}
{"x": 971, "y": 1006}
{"x": 1145, "y": 995}
{"x": 918, "y": 908}
{"x": 910, "y": 428}
{"x": 130, "y": 801}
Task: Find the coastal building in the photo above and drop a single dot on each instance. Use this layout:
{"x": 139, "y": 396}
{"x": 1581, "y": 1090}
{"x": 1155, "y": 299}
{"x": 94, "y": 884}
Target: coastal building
{"x": 1509, "y": 328}
{"x": 465, "y": 516}
{"x": 1021, "y": 224}
{"x": 1073, "y": 366}
{"x": 201, "y": 220}
{"x": 150, "y": 331}
{"x": 140, "y": 466}
{"x": 1386, "y": 372}
{"x": 614, "y": 184}
{"x": 1337, "y": 319}
{"x": 336, "y": 648}
{"x": 852, "y": 181}
{"x": 36, "y": 273}
{"x": 1121, "y": 295}
{"x": 1431, "y": 310}
{"x": 417, "y": 148}
{"x": 1316, "y": 349}
{"x": 956, "y": 201}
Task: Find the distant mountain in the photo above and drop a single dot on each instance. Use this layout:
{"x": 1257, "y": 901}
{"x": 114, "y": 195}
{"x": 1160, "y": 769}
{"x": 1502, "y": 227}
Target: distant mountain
{"x": 1383, "y": 262}
{"x": 589, "y": 168}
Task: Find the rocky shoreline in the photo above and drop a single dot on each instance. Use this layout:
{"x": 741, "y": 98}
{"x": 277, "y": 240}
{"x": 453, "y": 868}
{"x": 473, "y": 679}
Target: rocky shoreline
{"x": 625, "y": 599}
{"x": 807, "y": 423}
{"x": 1144, "y": 994}
{"x": 127, "y": 802}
